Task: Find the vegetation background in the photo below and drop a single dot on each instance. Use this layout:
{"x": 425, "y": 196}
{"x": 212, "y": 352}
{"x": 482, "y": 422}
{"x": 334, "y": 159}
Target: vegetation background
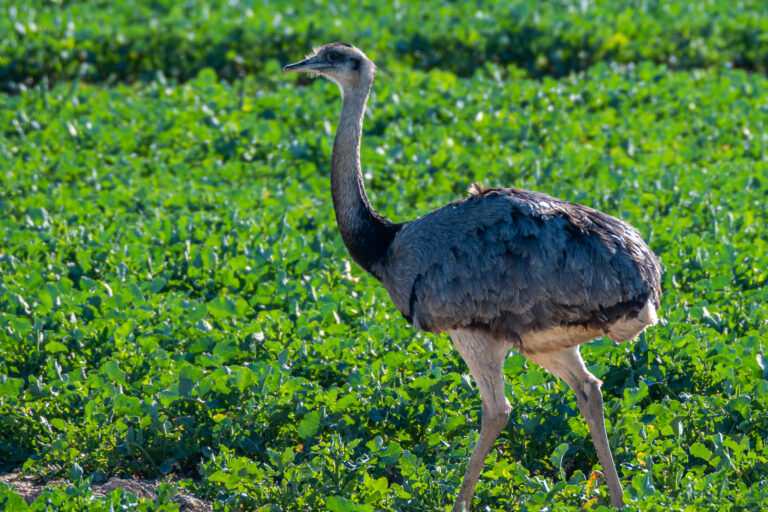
{"x": 176, "y": 305}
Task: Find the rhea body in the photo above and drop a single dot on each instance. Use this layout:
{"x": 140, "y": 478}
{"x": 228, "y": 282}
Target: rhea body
{"x": 501, "y": 269}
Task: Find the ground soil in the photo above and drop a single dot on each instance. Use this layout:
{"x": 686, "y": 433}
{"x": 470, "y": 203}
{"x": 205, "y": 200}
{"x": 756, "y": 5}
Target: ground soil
{"x": 30, "y": 488}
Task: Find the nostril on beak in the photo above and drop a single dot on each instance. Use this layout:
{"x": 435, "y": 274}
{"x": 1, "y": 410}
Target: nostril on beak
{"x": 298, "y": 66}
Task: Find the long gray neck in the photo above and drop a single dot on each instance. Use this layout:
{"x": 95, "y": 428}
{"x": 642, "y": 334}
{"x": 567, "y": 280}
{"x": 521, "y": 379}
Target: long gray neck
{"x": 366, "y": 234}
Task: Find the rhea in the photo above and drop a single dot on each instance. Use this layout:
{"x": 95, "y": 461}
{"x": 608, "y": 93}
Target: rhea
{"x": 501, "y": 269}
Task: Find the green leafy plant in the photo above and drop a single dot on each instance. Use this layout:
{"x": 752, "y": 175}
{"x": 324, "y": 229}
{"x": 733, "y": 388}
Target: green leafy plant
{"x": 47, "y": 41}
{"x": 175, "y": 301}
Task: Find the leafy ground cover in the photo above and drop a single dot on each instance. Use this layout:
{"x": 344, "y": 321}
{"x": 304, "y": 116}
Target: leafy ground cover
{"x": 175, "y": 301}
{"x": 48, "y": 41}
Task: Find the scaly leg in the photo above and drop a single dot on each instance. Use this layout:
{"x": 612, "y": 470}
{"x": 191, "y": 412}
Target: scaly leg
{"x": 484, "y": 356}
{"x": 569, "y": 366}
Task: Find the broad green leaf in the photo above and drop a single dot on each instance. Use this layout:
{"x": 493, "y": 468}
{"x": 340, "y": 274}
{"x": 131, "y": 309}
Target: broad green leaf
{"x": 339, "y": 504}
{"x": 112, "y": 370}
{"x": 309, "y": 425}
{"x": 699, "y": 450}
{"x": 10, "y": 387}
{"x": 54, "y": 347}
{"x": 557, "y": 458}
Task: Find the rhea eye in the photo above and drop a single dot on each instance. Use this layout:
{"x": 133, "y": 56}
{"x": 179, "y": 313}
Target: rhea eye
{"x": 333, "y": 56}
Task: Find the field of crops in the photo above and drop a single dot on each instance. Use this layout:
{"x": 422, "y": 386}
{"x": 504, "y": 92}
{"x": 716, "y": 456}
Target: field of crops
{"x": 177, "y": 305}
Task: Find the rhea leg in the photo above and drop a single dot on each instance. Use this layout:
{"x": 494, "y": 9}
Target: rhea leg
{"x": 569, "y": 366}
{"x": 485, "y": 358}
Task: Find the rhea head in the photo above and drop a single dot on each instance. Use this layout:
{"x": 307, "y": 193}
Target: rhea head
{"x": 340, "y": 62}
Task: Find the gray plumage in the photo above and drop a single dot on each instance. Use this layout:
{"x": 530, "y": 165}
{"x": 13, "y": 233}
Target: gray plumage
{"x": 501, "y": 269}
{"x": 511, "y": 261}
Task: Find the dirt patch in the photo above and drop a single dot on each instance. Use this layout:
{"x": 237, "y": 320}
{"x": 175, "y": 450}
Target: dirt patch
{"x": 30, "y": 488}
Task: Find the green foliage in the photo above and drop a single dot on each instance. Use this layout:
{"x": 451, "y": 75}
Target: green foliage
{"x": 79, "y": 497}
{"x": 175, "y": 299}
{"x": 107, "y": 41}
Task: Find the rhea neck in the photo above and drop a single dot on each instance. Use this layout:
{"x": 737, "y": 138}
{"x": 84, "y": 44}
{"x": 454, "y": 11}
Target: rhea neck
{"x": 366, "y": 234}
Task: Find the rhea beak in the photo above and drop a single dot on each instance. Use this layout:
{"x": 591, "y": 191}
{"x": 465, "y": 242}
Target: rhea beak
{"x": 310, "y": 64}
